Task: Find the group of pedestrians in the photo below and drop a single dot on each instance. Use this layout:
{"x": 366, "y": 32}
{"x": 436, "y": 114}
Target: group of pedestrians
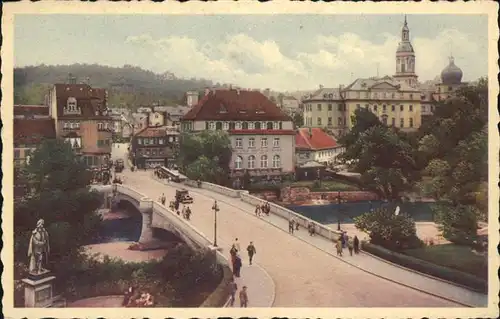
{"x": 293, "y": 225}
{"x": 186, "y": 210}
{"x": 263, "y": 209}
{"x": 237, "y": 263}
{"x": 352, "y": 244}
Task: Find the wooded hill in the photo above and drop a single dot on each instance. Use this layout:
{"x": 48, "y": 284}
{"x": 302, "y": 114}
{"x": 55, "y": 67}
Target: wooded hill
{"x": 128, "y": 86}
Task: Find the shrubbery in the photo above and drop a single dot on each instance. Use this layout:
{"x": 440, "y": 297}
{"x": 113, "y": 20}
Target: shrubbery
{"x": 394, "y": 232}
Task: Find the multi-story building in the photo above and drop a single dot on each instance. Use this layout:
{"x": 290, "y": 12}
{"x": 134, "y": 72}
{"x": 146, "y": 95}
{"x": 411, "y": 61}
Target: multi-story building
{"x": 314, "y": 144}
{"x": 261, "y": 134}
{"x": 81, "y": 117}
{"x": 155, "y": 146}
{"x": 399, "y": 101}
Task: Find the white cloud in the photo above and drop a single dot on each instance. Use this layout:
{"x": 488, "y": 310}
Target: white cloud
{"x": 329, "y": 60}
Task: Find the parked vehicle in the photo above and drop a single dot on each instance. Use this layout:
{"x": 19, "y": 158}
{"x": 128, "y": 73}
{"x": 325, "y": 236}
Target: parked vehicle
{"x": 182, "y": 195}
{"x": 119, "y": 165}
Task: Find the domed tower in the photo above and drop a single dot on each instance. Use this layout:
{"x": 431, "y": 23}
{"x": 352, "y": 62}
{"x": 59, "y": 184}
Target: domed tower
{"x": 451, "y": 79}
{"x": 405, "y": 59}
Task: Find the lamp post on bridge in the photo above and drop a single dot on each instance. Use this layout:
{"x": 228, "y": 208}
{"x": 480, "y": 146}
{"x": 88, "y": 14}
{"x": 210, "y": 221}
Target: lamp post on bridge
{"x": 340, "y": 200}
{"x": 215, "y": 208}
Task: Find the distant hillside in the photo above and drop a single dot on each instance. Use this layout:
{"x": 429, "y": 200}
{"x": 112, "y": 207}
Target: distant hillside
{"x": 128, "y": 86}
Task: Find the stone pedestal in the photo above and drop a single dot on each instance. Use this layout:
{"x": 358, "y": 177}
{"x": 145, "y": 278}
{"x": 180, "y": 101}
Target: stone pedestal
{"x": 146, "y": 209}
{"x": 38, "y": 290}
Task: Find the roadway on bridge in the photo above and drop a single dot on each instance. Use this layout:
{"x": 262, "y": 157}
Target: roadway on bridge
{"x": 304, "y": 276}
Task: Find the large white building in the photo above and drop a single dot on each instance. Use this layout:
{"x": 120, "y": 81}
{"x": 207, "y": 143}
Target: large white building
{"x": 400, "y": 100}
{"x": 262, "y": 135}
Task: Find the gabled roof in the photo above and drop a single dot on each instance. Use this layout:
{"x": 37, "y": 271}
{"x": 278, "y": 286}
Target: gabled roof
{"x": 372, "y": 83}
{"x": 325, "y": 94}
{"x": 235, "y": 105}
{"x": 314, "y": 139}
{"x": 33, "y": 131}
{"x": 89, "y": 100}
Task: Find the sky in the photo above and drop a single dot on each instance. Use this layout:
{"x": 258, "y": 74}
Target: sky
{"x": 281, "y": 52}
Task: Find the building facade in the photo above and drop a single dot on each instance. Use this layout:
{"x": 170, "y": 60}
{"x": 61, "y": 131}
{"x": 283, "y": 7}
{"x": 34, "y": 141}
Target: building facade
{"x": 81, "y": 117}
{"x": 155, "y": 146}
{"x": 398, "y": 101}
{"x": 314, "y": 144}
{"x": 261, "y": 134}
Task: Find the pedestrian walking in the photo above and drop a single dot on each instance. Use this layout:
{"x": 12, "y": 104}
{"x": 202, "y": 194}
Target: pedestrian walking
{"x": 233, "y": 287}
{"x": 350, "y": 246}
{"x": 244, "y": 297}
{"x": 290, "y": 226}
{"x": 237, "y": 266}
{"x": 356, "y": 245}
{"x": 188, "y": 213}
{"x": 338, "y": 245}
{"x": 233, "y": 253}
{"x": 257, "y": 210}
{"x": 251, "y": 251}
{"x": 342, "y": 240}
{"x": 237, "y": 244}
{"x": 346, "y": 239}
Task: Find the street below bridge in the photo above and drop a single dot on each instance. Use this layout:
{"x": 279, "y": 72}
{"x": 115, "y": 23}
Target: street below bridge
{"x": 303, "y": 275}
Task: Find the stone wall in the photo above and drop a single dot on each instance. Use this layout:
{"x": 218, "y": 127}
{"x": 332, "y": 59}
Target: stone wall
{"x": 303, "y": 195}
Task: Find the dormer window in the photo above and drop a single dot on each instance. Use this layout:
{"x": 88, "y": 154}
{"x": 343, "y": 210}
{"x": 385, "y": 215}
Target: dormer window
{"x": 100, "y": 126}
{"x": 71, "y": 106}
{"x": 251, "y": 126}
{"x": 238, "y": 126}
{"x": 222, "y": 109}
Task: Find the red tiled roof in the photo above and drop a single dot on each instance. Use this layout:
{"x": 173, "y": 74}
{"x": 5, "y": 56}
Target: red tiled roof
{"x": 262, "y": 132}
{"x": 234, "y": 105}
{"x": 33, "y": 131}
{"x": 152, "y": 132}
{"x": 31, "y": 109}
{"x": 318, "y": 140}
{"x": 88, "y": 99}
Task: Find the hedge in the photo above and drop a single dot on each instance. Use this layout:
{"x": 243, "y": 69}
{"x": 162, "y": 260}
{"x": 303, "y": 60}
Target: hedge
{"x": 448, "y": 274}
{"x": 220, "y": 295}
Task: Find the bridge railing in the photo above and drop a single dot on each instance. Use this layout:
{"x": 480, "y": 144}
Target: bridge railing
{"x": 278, "y": 210}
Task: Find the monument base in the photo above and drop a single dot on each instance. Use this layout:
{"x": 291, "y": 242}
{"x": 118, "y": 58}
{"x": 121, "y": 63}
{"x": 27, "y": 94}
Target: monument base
{"x": 38, "y": 290}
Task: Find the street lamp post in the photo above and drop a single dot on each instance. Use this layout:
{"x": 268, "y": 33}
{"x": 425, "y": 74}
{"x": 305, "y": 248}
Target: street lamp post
{"x": 215, "y": 208}
{"x": 339, "y": 201}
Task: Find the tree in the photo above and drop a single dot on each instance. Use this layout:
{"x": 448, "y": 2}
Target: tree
{"x": 205, "y": 155}
{"x": 385, "y": 228}
{"x": 59, "y": 193}
{"x": 298, "y": 120}
{"x": 455, "y": 150}
{"x": 382, "y": 155}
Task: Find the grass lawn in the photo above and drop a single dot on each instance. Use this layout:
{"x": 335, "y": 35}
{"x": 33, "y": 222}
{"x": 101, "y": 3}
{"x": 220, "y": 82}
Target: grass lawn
{"x": 453, "y": 256}
{"x": 326, "y": 186}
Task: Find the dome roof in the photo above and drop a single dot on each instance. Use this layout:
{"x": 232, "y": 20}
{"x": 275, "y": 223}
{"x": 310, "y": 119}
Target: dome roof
{"x": 452, "y": 74}
{"x": 405, "y": 47}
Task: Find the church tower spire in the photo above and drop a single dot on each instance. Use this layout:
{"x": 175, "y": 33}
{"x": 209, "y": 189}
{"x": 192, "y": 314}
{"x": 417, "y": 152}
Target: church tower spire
{"x": 405, "y": 58}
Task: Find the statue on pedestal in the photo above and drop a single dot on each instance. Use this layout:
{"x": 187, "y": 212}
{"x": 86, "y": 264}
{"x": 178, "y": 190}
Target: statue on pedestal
{"x": 38, "y": 249}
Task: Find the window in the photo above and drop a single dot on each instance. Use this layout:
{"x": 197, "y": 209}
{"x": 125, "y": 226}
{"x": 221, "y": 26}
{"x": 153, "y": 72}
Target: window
{"x": 319, "y": 107}
{"x": 393, "y": 121}
{"x": 226, "y": 126}
{"x": 66, "y": 125}
{"x": 232, "y": 125}
{"x": 411, "y": 96}
{"x": 263, "y": 142}
{"x": 161, "y": 141}
{"x": 276, "y": 142}
{"x": 71, "y": 104}
{"x": 238, "y": 125}
{"x": 251, "y": 161}
{"x": 263, "y": 161}
{"x": 401, "y": 122}
{"x": 276, "y": 161}
{"x": 257, "y": 125}
{"x": 339, "y": 121}
{"x": 218, "y": 126}
{"x": 100, "y": 126}
{"x": 269, "y": 125}
{"x": 393, "y": 108}
{"x": 244, "y": 125}
{"x": 17, "y": 154}
{"x": 139, "y": 141}
{"x": 384, "y": 108}
{"x": 251, "y": 142}
{"x": 411, "y": 108}
{"x": 239, "y": 143}
{"x": 319, "y": 121}
{"x": 330, "y": 107}
{"x": 170, "y": 139}
{"x": 329, "y": 121}
{"x": 375, "y": 108}
{"x": 358, "y": 106}
{"x": 339, "y": 107}
{"x": 393, "y": 95}
{"x": 401, "y": 108}
{"x": 238, "y": 162}
{"x": 411, "y": 122}
{"x": 250, "y": 126}
{"x": 211, "y": 125}
{"x": 384, "y": 120}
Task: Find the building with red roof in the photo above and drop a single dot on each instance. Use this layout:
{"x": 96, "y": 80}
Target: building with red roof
{"x": 314, "y": 144}
{"x": 28, "y": 133}
{"x": 261, "y": 133}
{"x": 81, "y": 117}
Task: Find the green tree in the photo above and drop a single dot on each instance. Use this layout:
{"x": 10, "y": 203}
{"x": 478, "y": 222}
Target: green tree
{"x": 455, "y": 150}
{"x": 59, "y": 193}
{"x": 298, "y": 120}
{"x": 382, "y": 155}
{"x": 206, "y": 155}
{"x": 385, "y": 228}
